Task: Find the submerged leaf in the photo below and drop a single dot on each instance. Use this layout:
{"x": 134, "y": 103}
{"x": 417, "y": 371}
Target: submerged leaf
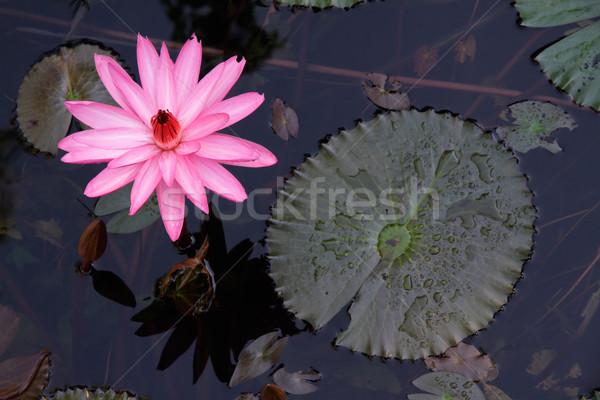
{"x": 298, "y": 382}
{"x": 9, "y": 321}
{"x": 49, "y": 231}
{"x": 424, "y": 59}
{"x": 534, "y": 123}
{"x": 284, "y": 120}
{"x": 424, "y": 227}
{"x": 465, "y": 49}
{"x": 258, "y": 357}
{"x": 384, "y": 92}
{"x": 445, "y": 386}
{"x": 65, "y": 73}
{"x": 24, "y": 377}
{"x": 466, "y": 360}
{"x": 540, "y": 360}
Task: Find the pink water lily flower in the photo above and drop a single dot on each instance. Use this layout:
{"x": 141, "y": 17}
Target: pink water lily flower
{"x": 164, "y": 137}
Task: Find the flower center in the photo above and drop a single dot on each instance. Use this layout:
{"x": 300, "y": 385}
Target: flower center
{"x": 166, "y": 128}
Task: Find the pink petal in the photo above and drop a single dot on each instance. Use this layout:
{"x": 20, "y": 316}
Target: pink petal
{"x": 168, "y": 164}
{"x": 204, "y": 125}
{"x": 185, "y": 148}
{"x": 187, "y": 67}
{"x": 145, "y": 183}
{"x": 238, "y": 107}
{"x": 192, "y": 105}
{"x": 225, "y": 147}
{"x": 131, "y": 95}
{"x": 80, "y": 153}
{"x": 100, "y": 116}
{"x": 171, "y": 202}
{"x": 219, "y": 180}
{"x": 230, "y": 75}
{"x": 166, "y": 94}
{"x": 147, "y": 59}
{"x": 265, "y": 157}
{"x": 102, "y": 63}
{"x": 114, "y": 138}
{"x": 137, "y": 155}
{"x": 111, "y": 179}
{"x": 188, "y": 177}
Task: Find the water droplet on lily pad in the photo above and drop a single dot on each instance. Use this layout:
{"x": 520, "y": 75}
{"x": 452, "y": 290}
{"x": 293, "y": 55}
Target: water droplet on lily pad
{"x": 428, "y": 282}
{"x": 67, "y": 72}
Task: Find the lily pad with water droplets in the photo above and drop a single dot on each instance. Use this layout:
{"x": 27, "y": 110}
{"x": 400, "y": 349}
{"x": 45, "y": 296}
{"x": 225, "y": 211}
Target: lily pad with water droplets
{"x": 446, "y": 386}
{"x": 65, "y": 73}
{"x": 534, "y": 123}
{"x": 419, "y": 219}
{"x": 572, "y": 63}
{"x": 320, "y": 3}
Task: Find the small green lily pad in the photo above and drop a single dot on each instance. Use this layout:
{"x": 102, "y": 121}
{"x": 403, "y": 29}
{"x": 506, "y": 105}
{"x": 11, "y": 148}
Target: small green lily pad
{"x": 120, "y": 201}
{"x": 66, "y": 73}
{"x": 420, "y": 220}
{"x": 534, "y": 122}
{"x": 446, "y": 386}
{"x": 320, "y": 3}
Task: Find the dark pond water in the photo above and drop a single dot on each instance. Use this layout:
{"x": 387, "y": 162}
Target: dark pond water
{"x": 92, "y": 339}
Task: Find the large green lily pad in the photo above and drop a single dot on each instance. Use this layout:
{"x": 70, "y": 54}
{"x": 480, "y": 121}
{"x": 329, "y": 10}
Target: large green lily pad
{"x": 65, "y": 73}
{"x": 573, "y": 62}
{"x": 320, "y": 3}
{"x": 420, "y": 219}
{"x": 84, "y": 393}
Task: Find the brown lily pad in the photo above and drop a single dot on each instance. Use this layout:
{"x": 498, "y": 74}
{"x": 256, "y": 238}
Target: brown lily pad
{"x": 24, "y": 378}
{"x": 284, "y": 120}
{"x": 466, "y": 360}
{"x": 384, "y": 92}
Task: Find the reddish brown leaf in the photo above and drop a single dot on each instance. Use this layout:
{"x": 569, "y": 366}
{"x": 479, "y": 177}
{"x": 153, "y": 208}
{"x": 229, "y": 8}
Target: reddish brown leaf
{"x": 384, "y": 93}
{"x": 24, "y": 377}
{"x": 425, "y": 58}
{"x": 465, "y": 49}
{"x": 466, "y": 360}
{"x": 9, "y": 323}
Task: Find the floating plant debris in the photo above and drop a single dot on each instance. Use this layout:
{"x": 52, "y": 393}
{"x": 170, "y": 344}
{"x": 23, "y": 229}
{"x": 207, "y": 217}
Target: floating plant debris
{"x": 384, "y": 92}
{"x": 299, "y": 382}
{"x": 534, "y": 123}
{"x": 66, "y": 73}
{"x": 573, "y": 63}
{"x": 466, "y": 360}
{"x": 258, "y": 357}
{"x": 419, "y": 219}
{"x": 446, "y": 385}
{"x": 284, "y": 120}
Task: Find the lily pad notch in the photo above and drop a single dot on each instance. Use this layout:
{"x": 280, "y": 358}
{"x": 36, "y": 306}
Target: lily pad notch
{"x": 419, "y": 219}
